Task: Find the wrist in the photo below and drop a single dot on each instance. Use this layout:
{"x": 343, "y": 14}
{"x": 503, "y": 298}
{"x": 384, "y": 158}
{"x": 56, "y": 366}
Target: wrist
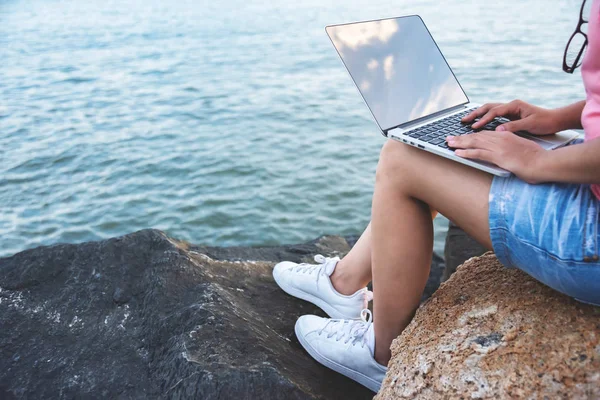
{"x": 568, "y": 117}
{"x": 557, "y": 120}
{"x": 540, "y": 167}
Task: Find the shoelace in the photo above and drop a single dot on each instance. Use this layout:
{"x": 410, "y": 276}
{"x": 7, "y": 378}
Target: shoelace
{"x": 325, "y": 266}
{"x": 350, "y": 330}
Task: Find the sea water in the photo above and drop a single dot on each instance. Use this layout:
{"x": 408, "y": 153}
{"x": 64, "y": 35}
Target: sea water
{"x": 225, "y": 122}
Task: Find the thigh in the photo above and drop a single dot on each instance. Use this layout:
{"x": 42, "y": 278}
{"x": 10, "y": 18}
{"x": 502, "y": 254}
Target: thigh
{"x": 551, "y": 231}
{"x": 457, "y": 191}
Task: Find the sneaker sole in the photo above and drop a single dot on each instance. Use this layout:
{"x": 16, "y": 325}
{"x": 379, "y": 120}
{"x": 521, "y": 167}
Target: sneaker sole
{"x": 322, "y": 304}
{"x": 364, "y": 380}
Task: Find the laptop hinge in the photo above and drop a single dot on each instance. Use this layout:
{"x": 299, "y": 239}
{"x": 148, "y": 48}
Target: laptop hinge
{"x": 407, "y": 125}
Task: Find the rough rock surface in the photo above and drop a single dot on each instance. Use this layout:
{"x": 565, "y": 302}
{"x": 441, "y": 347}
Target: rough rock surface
{"x": 146, "y": 316}
{"x": 495, "y": 333}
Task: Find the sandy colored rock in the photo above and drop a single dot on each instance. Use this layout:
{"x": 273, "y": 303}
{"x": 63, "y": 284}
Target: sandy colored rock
{"x": 495, "y": 333}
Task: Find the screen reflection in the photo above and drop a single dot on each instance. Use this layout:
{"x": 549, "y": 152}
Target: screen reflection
{"x": 398, "y": 69}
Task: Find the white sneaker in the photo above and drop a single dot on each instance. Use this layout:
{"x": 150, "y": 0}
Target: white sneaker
{"x": 311, "y": 282}
{"x": 345, "y": 346}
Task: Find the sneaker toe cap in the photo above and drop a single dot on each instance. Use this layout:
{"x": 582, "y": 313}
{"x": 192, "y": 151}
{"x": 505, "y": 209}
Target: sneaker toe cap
{"x": 279, "y": 271}
{"x": 307, "y": 324}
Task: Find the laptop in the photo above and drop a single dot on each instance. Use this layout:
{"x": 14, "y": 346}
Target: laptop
{"x": 410, "y": 89}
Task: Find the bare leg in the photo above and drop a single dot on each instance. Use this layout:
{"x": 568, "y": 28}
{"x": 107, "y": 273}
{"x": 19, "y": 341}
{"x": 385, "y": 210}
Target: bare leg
{"x": 409, "y": 183}
{"x": 353, "y": 272}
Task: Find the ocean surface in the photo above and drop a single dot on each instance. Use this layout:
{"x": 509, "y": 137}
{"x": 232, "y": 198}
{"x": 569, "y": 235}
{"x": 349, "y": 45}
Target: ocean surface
{"x": 225, "y": 122}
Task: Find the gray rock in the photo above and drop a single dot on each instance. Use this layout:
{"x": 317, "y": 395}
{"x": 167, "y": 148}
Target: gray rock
{"x": 459, "y": 248}
{"x": 146, "y": 316}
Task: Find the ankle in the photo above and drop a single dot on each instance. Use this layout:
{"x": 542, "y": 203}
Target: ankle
{"x": 382, "y": 358}
{"x": 342, "y": 282}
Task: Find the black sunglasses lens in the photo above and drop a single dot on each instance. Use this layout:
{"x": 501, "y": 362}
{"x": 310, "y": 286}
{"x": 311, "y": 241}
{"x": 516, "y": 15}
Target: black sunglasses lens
{"x": 574, "y": 48}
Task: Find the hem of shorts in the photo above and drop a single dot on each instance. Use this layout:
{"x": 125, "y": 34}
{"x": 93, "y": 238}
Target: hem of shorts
{"x": 498, "y": 237}
{"x": 587, "y": 302}
{"x": 497, "y": 222}
{"x": 503, "y": 258}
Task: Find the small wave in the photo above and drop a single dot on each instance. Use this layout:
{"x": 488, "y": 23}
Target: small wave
{"x": 77, "y": 80}
{"x": 193, "y": 116}
{"x": 157, "y": 72}
{"x": 68, "y": 69}
{"x": 150, "y": 56}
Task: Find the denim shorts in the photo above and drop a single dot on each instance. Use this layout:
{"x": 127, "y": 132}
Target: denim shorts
{"x": 549, "y": 231}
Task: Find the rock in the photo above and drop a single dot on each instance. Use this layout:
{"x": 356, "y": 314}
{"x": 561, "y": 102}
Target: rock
{"x": 495, "y": 333}
{"x": 458, "y": 249}
{"x": 328, "y": 245}
{"x": 146, "y": 316}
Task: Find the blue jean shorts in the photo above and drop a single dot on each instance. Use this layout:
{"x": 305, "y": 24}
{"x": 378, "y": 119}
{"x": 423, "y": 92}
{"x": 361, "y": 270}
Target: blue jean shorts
{"x": 549, "y": 231}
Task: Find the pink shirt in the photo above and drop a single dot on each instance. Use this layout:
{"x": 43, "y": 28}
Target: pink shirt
{"x": 590, "y": 71}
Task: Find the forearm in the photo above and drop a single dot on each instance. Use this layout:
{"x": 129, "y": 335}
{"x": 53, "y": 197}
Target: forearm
{"x": 569, "y": 117}
{"x": 575, "y": 164}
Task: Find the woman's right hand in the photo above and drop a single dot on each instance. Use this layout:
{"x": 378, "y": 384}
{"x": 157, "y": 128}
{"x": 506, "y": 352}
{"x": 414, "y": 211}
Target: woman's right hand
{"x": 523, "y": 116}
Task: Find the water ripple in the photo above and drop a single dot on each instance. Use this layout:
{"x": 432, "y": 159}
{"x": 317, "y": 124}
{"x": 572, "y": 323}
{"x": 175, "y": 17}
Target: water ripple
{"x": 225, "y": 123}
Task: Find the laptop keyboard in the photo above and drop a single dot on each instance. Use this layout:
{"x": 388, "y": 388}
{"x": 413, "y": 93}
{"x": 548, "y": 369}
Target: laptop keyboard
{"x": 436, "y": 132}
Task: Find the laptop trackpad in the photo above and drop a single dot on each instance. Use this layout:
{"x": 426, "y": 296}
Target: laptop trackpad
{"x": 550, "y": 142}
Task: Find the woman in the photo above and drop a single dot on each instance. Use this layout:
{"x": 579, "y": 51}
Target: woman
{"x": 542, "y": 219}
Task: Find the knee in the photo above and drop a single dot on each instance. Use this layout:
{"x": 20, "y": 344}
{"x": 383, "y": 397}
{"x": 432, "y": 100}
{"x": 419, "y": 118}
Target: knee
{"x": 394, "y": 162}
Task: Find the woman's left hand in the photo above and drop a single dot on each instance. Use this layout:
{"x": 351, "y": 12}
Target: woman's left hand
{"x": 503, "y": 148}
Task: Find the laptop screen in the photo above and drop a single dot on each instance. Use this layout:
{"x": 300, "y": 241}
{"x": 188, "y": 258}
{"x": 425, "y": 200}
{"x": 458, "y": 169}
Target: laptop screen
{"x": 398, "y": 69}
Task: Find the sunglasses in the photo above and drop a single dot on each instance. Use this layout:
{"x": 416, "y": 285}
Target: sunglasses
{"x": 577, "y": 43}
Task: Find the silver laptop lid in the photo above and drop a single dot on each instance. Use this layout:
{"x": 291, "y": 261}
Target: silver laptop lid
{"x": 398, "y": 69}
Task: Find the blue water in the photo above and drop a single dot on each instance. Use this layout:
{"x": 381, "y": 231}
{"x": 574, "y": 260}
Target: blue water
{"x": 224, "y": 122}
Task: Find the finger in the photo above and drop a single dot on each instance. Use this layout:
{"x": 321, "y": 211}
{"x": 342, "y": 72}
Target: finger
{"x": 502, "y": 139}
{"x": 483, "y": 140}
{"x": 477, "y": 154}
{"x": 495, "y": 135}
{"x": 524, "y": 124}
{"x": 512, "y": 110}
{"x": 490, "y": 115}
{"x": 462, "y": 142}
{"x": 479, "y": 111}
